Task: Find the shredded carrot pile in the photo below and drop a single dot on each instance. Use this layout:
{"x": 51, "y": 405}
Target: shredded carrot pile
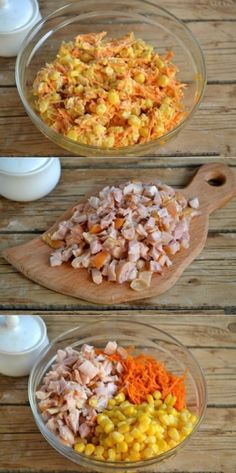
{"x": 109, "y": 94}
{"x": 142, "y": 375}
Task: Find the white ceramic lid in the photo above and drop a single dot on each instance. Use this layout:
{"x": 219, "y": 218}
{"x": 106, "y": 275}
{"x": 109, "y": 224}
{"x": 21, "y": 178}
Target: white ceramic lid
{"x": 20, "y": 333}
{"x": 21, "y": 165}
{"x": 15, "y": 14}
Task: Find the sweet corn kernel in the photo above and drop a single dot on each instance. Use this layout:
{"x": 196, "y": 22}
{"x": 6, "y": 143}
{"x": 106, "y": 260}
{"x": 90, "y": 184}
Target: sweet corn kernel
{"x": 128, "y": 438}
{"x": 123, "y": 427}
{"x": 163, "y": 81}
{"x": 130, "y": 411}
{"x": 144, "y": 131}
{"x": 157, "y": 395}
{"x": 147, "y": 453}
{"x": 134, "y": 120}
{"x": 109, "y": 71}
{"x": 122, "y": 447}
{"x": 108, "y": 427}
{"x": 173, "y": 434}
{"x": 79, "y": 447}
{"x": 113, "y": 97}
{"x": 148, "y": 103}
{"x": 111, "y": 454}
{"x": 119, "y": 398}
{"x": 101, "y": 109}
{"x": 136, "y": 447}
{"x": 150, "y": 399}
{"x": 117, "y": 437}
{"x": 111, "y": 403}
{"x": 140, "y": 78}
{"x": 89, "y": 449}
{"x": 99, "y": 450}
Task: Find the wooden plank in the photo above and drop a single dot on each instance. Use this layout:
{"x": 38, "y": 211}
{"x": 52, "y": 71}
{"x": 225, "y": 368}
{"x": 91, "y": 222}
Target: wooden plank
{"x": 211, "y": 130}
{"x": 213, "y": 446}
{"x": 38, "y": 216}
{"x": 185, "y": 10}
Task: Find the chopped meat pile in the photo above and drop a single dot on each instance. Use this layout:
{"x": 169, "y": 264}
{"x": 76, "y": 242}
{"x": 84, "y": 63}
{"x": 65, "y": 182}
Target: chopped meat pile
{"x": 78, "y": 386}
{"x": 126, "y": 233}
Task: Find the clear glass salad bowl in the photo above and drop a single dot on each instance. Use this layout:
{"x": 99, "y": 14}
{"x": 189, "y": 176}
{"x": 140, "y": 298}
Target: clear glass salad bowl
{"x": 148, "y": 21}
{"x": 146, "y": 339}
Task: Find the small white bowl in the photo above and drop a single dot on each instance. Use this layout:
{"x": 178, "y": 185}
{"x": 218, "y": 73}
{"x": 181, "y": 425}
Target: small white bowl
{"x": 17, "y": 18}
{"x": 27, "y": 179}
{"x": 21, "y": 341}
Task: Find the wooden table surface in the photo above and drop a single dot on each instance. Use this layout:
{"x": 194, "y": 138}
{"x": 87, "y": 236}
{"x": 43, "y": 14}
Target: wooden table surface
{"x": 200, "y": 310}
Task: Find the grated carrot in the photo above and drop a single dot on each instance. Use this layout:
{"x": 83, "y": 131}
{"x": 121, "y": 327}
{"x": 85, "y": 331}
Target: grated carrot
{"x": 142, "y": 375}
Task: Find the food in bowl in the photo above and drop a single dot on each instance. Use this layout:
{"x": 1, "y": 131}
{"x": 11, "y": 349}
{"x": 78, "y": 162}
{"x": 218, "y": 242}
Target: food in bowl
{"x": 113, "y": 406}
{"x": 109, "y": 94}
{"x": 125, "y": 233}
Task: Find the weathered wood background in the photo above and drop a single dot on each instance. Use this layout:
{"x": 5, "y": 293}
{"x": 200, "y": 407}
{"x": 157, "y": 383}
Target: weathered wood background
{"x": 200, "y": 310}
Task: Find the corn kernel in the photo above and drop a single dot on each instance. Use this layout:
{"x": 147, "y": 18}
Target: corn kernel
{"x": 123, "y": 427}
{"x": 140, "y": 78}
{"x": 108, "y": 427}
{"x": 99, "y": 450}
{"x": 122, "y": 447}
{"x": 128, "y": 438}
{"x": 134, "y": 456}
{"x": 101, "y": 109}
{"x": 163, "y": 81}
{"x": 137, "y": 434}
{"x": 113, "y": 97}
{"x": 109, "y": 71}
{"x": 136, "y": 447}
{"x": 79, "y": 447}
{"x": 89, "y": 449}
{"x": 134, "y": 120}
{"x": 111, "y": 403}
{"x": 144, "y": 131}
{"x": 150, "y": 399}
{"x": 148, "y": 453}
{"x": 148, "y": 103}
{"x": 174, "y": 434}
{"x": 151, "y": 429}
{"x": 160, "y": 64}
{"x": 130, "y": 411}
{"x": 111, "y": 454}
{"x": 164, "y": 419}
{"x": 117, "y": 437}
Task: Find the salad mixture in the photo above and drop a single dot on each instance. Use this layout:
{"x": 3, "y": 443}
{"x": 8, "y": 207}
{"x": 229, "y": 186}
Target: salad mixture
{"x": 126, "y": 233}
{"x": 112, "y": 405}
{"x": 109, "y": 93}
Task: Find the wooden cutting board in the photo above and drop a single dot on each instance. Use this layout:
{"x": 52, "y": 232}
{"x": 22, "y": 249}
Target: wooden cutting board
{"x": 213, "y": 184}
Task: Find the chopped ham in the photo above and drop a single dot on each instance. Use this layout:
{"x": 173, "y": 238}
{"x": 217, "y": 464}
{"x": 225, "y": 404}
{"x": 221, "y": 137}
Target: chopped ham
{"x": 88, "y": 369}
{"x": 125, "y": 230}
{"x": 194, "y": 203}
{"x": 110, "y": 348}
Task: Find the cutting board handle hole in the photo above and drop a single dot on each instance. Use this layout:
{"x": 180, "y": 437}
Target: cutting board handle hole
{"x": 217, "y": 180}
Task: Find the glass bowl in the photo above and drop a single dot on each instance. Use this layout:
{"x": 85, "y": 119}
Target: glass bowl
{"x": 148, "y": 21}
{"x": 145, "y": 338}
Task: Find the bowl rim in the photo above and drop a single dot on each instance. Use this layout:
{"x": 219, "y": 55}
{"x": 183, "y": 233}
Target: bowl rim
{"x": 133, "y": 150}
{"x": 66, "y": 450}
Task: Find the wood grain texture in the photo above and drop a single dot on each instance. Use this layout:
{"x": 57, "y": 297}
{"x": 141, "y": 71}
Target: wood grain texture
{"x": 207, "y": 284}
{"x": 212, "y": 449}
{"x": 185, "y": 10}
{"x": 32, "y": 259}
